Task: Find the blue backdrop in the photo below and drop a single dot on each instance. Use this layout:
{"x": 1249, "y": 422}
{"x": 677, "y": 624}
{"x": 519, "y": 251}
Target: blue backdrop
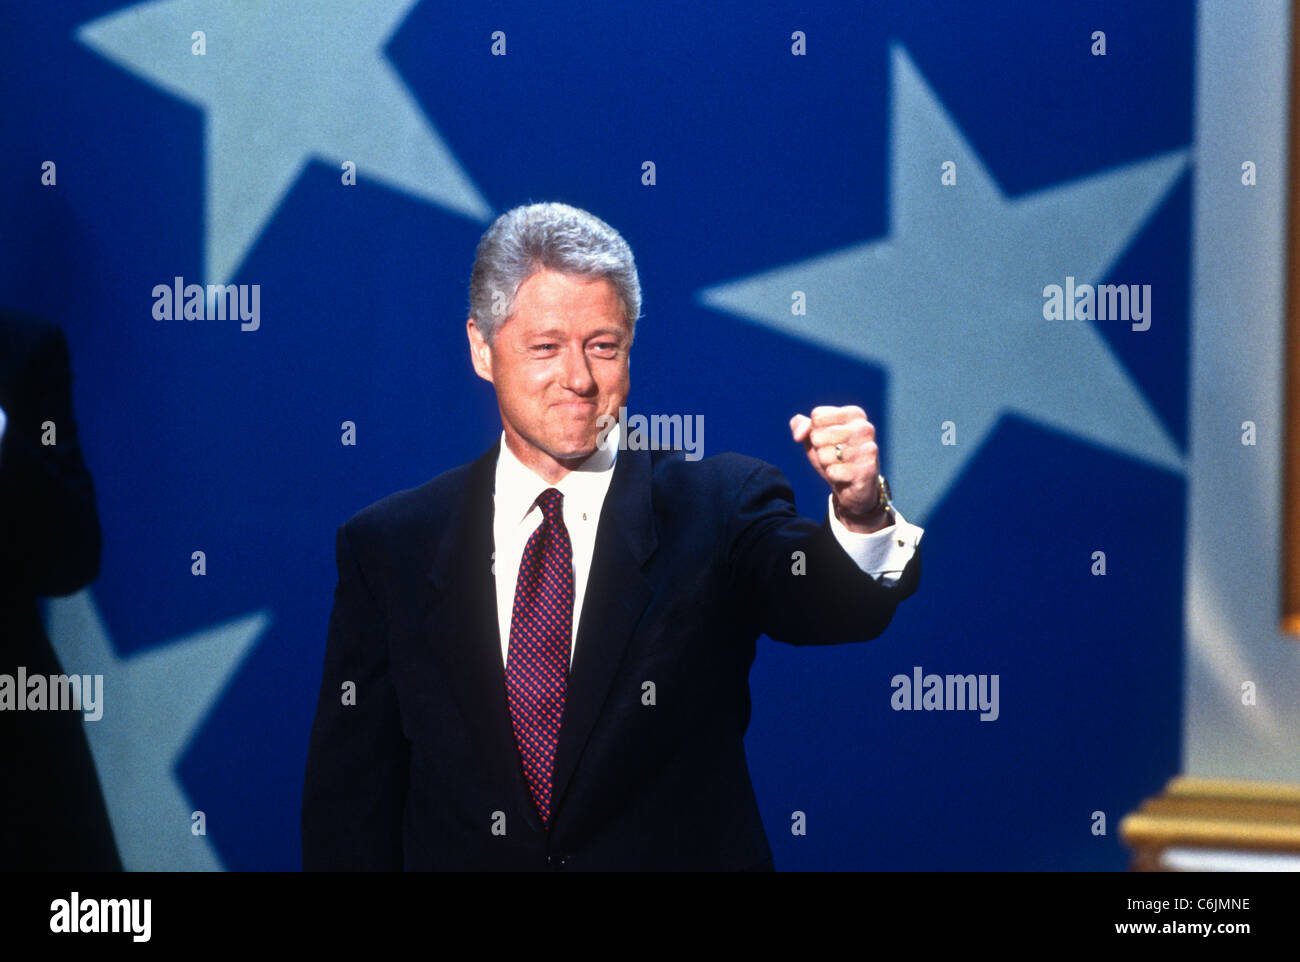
{"x": 773, "y": 173}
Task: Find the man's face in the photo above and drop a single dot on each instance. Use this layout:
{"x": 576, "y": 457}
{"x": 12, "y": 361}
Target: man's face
{"x": 558, "y": 364}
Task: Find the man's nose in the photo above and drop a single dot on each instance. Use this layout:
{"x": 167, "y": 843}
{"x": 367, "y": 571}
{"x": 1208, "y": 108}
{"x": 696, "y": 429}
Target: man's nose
{"x": 577, "y": 371}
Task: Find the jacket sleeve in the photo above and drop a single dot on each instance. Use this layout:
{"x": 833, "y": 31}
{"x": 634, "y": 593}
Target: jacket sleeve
{"x": 358, "y": 757}
{"x": 794, "y": 577}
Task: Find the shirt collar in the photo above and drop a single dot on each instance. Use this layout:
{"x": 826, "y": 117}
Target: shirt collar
{"x": 517, "y": 485}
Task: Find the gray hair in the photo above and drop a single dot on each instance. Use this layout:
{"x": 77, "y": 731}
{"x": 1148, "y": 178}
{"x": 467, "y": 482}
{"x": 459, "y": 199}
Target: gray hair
{"x": 556, "y": 237}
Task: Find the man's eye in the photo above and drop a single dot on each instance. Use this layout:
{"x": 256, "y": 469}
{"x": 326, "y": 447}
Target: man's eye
{"x": 543, "y": 347}
{"x": 607, "y": 347}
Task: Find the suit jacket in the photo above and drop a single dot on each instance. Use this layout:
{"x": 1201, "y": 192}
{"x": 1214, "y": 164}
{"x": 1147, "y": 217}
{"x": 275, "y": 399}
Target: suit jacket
{"x": 53, "y": 812}
{"x": 693, "y": 561}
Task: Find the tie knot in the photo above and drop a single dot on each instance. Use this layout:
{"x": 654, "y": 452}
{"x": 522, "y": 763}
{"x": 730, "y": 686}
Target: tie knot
{"x": 551, "y": 501}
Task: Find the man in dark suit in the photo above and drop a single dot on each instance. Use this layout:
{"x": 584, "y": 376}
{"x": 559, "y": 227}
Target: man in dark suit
{"x": 53, "y": 812}
{"x": 540, "y": 659}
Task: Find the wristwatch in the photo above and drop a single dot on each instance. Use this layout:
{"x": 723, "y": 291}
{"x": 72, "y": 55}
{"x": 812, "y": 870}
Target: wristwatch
{"x": 883, "y": 500}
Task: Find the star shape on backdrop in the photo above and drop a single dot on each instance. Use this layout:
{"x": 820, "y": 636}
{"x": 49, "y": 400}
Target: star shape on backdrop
{"x": 283, "y": 81}
{"x": 951, "y": 301}
{"x": 154, "y": 703}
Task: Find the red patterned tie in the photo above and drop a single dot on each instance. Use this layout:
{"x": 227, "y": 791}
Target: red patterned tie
{"x": 541, "y": 630}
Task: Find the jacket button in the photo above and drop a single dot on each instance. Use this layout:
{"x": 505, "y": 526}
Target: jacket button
{"x": 557, "y": 863}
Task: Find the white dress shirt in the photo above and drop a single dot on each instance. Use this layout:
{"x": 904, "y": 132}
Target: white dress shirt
{"x": 882, "y": 554}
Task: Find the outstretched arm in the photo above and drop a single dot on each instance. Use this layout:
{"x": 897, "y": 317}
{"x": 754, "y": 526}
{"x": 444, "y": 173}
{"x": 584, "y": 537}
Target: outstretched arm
{"x": 796, "y": 579}
{"x": 840, "y": 581}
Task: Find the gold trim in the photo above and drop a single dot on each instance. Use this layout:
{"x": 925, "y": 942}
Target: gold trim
{"x": 1155, "y": 831}
{"x": 1222, "y": 813}
{"x": 1198, "y": 786}
{"x": 1233, "y": 810}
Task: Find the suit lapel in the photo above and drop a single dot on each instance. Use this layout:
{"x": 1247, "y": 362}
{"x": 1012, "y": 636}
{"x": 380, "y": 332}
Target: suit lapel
{"x": 617, "y": 593}
{"x": 461, "y": 623}
{"x": 461, "y": 620}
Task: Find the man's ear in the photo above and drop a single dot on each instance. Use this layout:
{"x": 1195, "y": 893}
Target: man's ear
{"x": 480, "y": 352}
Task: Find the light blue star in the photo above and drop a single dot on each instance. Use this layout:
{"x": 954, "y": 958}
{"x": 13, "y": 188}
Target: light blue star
{"x": 951, "y": 302}
{"x": 283, "y": 81}
{"x": 153, "y": 704}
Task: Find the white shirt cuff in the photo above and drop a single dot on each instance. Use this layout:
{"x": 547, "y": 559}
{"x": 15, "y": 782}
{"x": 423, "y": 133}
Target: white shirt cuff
{"x": 882, "y": 554}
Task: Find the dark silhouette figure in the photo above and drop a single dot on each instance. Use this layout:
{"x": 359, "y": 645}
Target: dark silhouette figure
{"x": 54, "y": 816}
